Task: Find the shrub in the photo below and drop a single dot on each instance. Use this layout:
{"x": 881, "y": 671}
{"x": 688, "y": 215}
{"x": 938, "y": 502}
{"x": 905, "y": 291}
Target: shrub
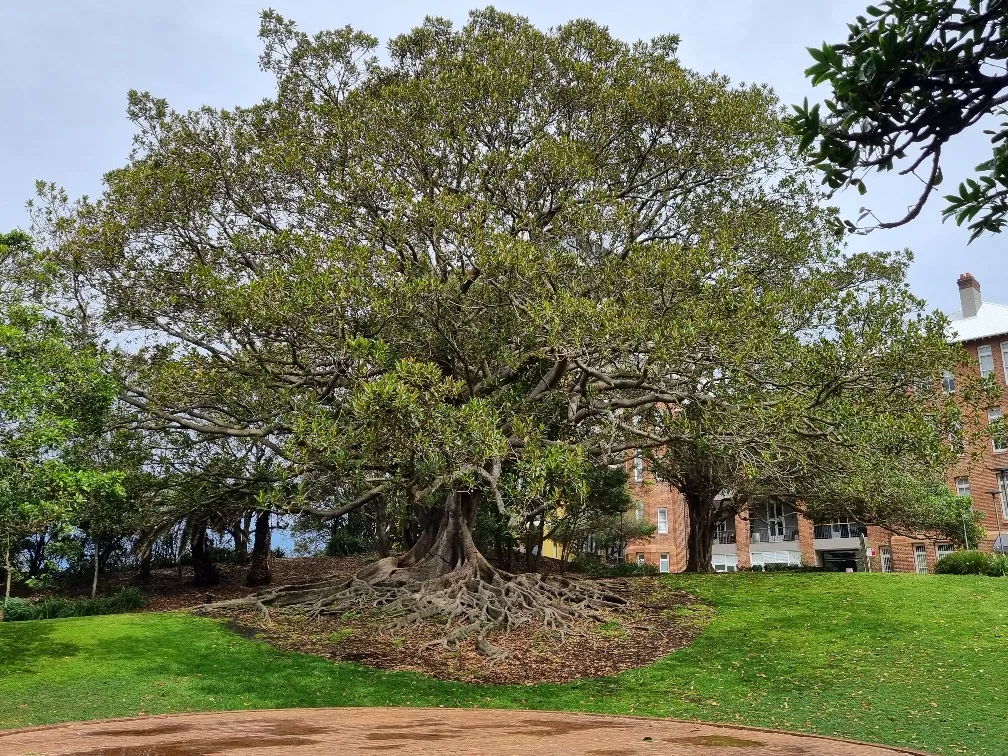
{"x": 342, "y": 543}
{"x": 971, "y": 562}
{"x": 592, "y": 566}
{"x": 53, "y": 607}
{"x": 777, "y": 567}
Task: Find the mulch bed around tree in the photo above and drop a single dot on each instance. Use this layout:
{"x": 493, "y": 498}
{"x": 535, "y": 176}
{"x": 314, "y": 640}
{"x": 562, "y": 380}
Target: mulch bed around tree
{"x": 657, "y": 621}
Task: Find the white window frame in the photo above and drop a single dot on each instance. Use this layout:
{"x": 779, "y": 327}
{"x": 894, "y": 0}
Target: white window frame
{"x": 962, "y": 486}
{"x": 663, "y": 563}
{"x": 1004, "y": 359}
{"x": 639, "y": 511}
{"x": 982, "y": 352}
{"x": 950, "y": 549}
{"x": 885, "y": 556}
{"x": 1002, "y": 483}
{"x": 993, "y": 415}
{"x": 948, "y": 382}
{"x": 638, "y": 468}
{"x": 663, "y": 519}
{"x": 920, "y": 559}
{"x": 640, "y": 558}
{"x": 725, "y": 562}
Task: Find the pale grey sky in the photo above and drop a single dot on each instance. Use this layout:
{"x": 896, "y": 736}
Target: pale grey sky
{"x": 67, "y": 65}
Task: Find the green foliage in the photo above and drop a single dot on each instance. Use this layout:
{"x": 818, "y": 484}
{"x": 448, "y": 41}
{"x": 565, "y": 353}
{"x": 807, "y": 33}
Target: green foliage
{"x": 972, "y": 562}
{"x": 53, "y": 607}
{"x": 911, "y": 76}
{"x": 344, "y": 543}
{"x": 592, "y": 566}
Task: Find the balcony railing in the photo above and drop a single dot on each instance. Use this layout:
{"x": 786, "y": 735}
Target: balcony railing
{"x": 840, "y": 530}
{"x": 773, "y": 535}
{"x": 725, "y": 537}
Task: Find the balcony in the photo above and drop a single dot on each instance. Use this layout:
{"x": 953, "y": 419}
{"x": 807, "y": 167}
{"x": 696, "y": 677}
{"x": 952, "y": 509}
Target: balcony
{"x": 832, "y": 530}
{"x": 725, "y": 537}
{"x": 773, "y": 535}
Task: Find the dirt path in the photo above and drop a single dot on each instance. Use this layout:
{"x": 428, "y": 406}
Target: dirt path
{"x": 353, "y": 732}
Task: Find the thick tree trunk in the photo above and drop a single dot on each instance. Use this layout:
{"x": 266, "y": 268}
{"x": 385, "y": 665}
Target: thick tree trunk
{"x": 97, "y": 559}
{"x": 445, "y": 546}
{"x": 204, "y": 571}
{"x": 145, "y": 565}
{"x": 381, "y": 527}
{"x": 259, "y": 571}
{"x": 701, "y": 533}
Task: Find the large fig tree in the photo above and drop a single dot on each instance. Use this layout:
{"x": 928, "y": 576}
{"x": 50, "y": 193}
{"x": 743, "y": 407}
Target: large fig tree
{"x": 430, "y": 277}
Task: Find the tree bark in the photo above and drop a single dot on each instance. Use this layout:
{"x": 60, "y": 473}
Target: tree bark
{"x": 97, "y": 559}
{"x": 259, "y": 571}
{"x": 701, "y": 533}
{"x": 381, "y": 527}
{"x": 445, "y": 546}
{"x": 7, "y": 569}
{"x": 145, "y": 565}
{"x": 240, "y": 533}
{"x": 204, "y": 571}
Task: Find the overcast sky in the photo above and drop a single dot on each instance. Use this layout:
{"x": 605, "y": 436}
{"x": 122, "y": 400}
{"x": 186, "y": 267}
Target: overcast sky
{"x": 67, "y": 65}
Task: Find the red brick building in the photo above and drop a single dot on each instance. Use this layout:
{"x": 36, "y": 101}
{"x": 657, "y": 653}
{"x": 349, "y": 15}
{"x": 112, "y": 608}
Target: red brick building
{"x": 777, "y": 534}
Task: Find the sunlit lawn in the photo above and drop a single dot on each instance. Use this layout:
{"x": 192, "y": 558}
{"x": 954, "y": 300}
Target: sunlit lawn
{"x": 900, "y": 659}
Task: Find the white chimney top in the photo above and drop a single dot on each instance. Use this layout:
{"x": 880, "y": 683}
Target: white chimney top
{"x": 969, "y": 295}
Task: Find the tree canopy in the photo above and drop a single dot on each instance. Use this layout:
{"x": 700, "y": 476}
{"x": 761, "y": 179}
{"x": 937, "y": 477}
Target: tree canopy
{"x": 470, "y": 275}
{"x": 913, "y": 75}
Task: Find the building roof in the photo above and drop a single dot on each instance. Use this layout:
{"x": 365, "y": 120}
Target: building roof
{"x": 991, "y": 320}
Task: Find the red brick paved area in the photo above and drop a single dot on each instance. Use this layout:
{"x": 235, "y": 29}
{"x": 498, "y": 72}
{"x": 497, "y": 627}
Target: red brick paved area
{"x": 354, "y": 732}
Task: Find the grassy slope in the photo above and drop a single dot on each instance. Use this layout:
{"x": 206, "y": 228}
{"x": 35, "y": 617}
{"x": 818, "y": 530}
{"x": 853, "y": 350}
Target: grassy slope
{"x": 901, "y": 659}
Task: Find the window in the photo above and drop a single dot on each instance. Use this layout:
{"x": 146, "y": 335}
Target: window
{"x": 948, "y": 381}
{"x": 662, "y": 520}
{"x": 998, "y": 437}
{"x": 920, "y": 559}
{"x": 986, "y": 361}
{"x": 759, "y": 559}
{"x": 943, "y": 549}
{"x": 886, "y": 557}
{"x": 640, "y": 511}
{"x": 725, "y": 562}
{"x": 638, "y": 468}
{"x": 1002, "y": 480}
{"x": 663, "y": 563}
{"x": 963, "y": 486}
{"x": 1004, "y": 358}
{"x": 640, "y": 557}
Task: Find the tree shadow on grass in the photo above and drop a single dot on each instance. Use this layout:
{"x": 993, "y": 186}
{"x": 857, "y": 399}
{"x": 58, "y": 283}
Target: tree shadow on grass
{"x": 23, "y": 645}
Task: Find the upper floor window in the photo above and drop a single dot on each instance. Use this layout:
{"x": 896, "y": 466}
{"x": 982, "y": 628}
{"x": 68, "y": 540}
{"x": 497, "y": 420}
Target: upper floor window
{"x": 640, "y": 511}
{"x": 986, "y": 360}
{"x": 963, "y": 486}
{"x": 662, "y": 520}
{"x": 638, "y": 468}
{"x": 1000, "y": 438}
{"x": 948, "y": 382}
{"x": 1004, "y": 358}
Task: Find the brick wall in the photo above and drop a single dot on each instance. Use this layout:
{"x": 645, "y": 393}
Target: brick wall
{"x": 654, "y": 495}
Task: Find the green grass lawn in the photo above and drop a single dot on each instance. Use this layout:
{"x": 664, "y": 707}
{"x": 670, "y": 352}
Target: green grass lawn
{"x": 900, "y": 659}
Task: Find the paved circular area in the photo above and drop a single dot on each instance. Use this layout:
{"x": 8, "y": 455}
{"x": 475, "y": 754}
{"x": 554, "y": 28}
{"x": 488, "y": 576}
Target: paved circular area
{"x": 353, "y": 732}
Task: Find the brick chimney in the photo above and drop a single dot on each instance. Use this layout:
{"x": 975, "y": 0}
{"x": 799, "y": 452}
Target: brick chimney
{"x": 969, "y": 295}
